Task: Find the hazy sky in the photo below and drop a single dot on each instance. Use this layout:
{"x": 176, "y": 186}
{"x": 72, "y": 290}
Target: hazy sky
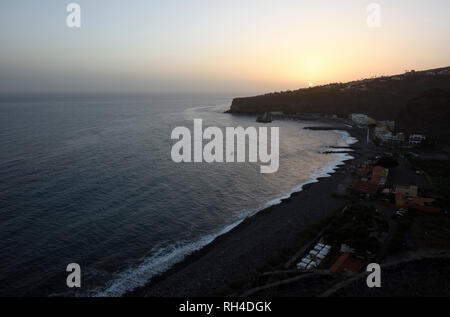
{"x": 214, "y": 46}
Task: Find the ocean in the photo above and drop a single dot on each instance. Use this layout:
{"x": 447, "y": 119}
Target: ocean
{"x": 91, "y": 181}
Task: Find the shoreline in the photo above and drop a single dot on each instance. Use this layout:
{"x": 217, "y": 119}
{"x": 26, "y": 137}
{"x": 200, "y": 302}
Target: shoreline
{"x": 249, "y": 244}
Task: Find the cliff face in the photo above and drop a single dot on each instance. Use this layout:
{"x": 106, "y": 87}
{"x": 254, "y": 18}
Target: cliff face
{"x": 427, "y": 114}
{"x": 380, "y": 98}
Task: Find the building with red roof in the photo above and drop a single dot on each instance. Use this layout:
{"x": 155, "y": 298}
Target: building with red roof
{"x": 347, "y": 262}
{"x": 364, "y": 187}
{"x": 364, "y": 171}
{"x": 419, "y": 203}
{"x": 380, "y": 171}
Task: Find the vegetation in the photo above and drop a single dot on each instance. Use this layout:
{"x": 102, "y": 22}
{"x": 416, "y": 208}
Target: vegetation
{"x": 439, "y": 171}
{"x": 387, "y": 162}
{"x": 429, "y": 231}
{"x": 432, "y": 231}
{"x": 398, "y": 241}
{"x": 427, "y": 114}
{"x": 355, "y": 226}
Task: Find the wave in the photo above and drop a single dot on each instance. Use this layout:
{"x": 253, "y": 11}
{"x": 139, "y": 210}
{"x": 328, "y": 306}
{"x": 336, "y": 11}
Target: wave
{"x": 347, "y": 138}
{"x": 165, "y": 258}
{"x": 160, "y": 262}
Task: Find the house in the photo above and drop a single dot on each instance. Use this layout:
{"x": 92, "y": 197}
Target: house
{"x": 363, "y": 172}
{"x": 347, "y": 249}
{"x": 383, "y": 135}
{"x": 424, "y": 204}
{"x": 380, "y": 171}
{"x": 347, "y": 262}
{"x": 380, "y": 181}
{"x": 386, "y": 125}
{"x": 365, "y": 187}
{"x": 384, "y": 132}
{"x": 314, "y": 257}
{"x": 400, "y": 200}
{"x": 419, "y": 203}
{"x": 416, "y": 138}
{"x": 399, "y": 137}
{"x": 361, "y": 119}
{"x": 411, "y": 191}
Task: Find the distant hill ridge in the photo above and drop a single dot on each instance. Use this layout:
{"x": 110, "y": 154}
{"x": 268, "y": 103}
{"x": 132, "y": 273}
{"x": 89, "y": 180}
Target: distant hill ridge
{"x": 383, "y": 98}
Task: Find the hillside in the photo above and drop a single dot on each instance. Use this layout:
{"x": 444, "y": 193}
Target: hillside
{"x": 381, "y": 98}
{"x": 427, "y": 114}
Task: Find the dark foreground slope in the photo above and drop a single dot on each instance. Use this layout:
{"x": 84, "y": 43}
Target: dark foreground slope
{"x": 424, "y": 276}
{"x": 380, "y": 98}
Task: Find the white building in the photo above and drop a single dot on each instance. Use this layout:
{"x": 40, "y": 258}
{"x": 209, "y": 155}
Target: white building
{"x": 411, "y": 191}
{"x": 386, "y": 125}
{"x": 416, "y": 138}
{"x": 384, "y": 135}
{"x": 388, "y": 136}
{"x": 360, "y": 119}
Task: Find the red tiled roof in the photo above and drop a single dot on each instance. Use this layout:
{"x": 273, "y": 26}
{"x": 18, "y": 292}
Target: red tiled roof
{"x": 399, "y": 197}
{"x": 375, "y": 179}
{"x": 420, "y": 203}
{"x": 365, "y": 187}
{"x": 380, "y": 181}
{"x": 347, "y": 262}
{"x": 364, "y": 171}
{"x": 379, "y": 170}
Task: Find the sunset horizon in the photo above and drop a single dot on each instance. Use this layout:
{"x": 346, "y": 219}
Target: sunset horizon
{"x": 200, "y": 47}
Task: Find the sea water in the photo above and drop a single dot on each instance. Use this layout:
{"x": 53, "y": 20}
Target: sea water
{"x": 90, "y": 180}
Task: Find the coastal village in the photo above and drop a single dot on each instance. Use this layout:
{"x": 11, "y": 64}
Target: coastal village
{"x": 395, "y": 207}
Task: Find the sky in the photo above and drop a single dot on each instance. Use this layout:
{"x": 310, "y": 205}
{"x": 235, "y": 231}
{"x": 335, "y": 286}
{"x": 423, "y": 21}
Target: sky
{"x": 212, "y": 46}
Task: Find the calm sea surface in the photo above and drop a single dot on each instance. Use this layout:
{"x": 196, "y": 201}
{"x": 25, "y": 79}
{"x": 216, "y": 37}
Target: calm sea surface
{"x": 92, "y": 182}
